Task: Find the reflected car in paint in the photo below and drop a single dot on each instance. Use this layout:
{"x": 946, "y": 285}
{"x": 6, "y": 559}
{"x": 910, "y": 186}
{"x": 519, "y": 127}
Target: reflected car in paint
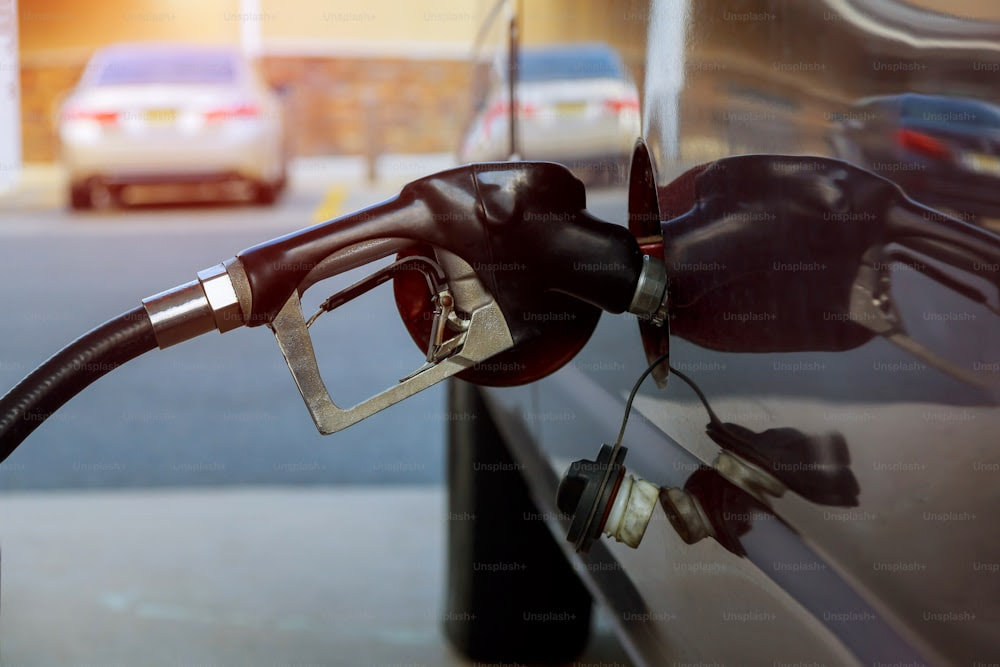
{"x": 575, "y": 104}
{"x": 945, "y": 151}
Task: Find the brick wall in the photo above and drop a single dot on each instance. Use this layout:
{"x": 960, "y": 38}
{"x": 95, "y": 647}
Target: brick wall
{"x": 415, "y": 106}
{"x": 43, "y": 87}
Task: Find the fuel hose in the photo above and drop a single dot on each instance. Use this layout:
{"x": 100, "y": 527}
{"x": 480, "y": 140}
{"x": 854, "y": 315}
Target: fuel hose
{"x": 70, "y": 371}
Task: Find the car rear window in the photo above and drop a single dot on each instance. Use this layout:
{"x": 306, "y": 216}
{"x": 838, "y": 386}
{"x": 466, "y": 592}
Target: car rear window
{"x": 182, "y": 68}
{"x": 570, "y": 64}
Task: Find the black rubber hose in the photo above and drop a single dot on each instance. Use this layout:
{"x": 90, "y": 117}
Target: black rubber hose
{"x": 69, "y": 372}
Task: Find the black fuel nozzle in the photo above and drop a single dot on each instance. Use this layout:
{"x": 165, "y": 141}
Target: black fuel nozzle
{"x": 520, "y": 229}
{"x": 519, "y": 273}
{"x": 522, "y": 226}
{"x": 518, "y": 270}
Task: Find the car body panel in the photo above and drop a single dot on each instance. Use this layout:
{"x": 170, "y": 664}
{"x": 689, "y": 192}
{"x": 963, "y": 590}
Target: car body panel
{"x": 910, "y": 574}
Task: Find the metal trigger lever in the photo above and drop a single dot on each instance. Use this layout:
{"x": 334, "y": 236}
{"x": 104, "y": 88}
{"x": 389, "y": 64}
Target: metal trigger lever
{"x": 436, "y": 281}
{"x": 444, "y": 302}
{"x": 481, "y": 334}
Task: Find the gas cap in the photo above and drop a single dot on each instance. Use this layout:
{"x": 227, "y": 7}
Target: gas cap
{"x": 601, "y": 496}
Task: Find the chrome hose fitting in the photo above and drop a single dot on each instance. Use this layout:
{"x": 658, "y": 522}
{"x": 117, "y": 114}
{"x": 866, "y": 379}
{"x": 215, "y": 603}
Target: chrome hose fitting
{"x": 189, "y": 310}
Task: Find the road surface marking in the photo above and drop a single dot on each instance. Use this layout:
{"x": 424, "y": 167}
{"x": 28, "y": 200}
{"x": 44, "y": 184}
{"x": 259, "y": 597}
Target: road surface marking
{"x": 330, "y": 206}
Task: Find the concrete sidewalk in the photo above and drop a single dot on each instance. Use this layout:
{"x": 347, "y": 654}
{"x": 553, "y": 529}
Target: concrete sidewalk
{"x": 253, "y": 576}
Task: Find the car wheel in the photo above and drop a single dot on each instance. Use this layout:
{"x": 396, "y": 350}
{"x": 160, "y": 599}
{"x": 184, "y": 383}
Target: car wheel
{"x": 79, "y": 198}
{"x": 104, "y": 197}
{"x": 282, "y": 181}
{"x": 266, "y": 193}
{"x": 512, "y": 595}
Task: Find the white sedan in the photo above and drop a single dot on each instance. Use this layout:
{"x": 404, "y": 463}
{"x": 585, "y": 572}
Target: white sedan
{"x": 575, "y": 104}
{"x": 154, "y": 114}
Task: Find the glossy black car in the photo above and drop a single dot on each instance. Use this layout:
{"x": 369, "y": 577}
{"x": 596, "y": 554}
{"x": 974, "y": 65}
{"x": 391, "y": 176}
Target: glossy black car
{"x": 829, "y": 475}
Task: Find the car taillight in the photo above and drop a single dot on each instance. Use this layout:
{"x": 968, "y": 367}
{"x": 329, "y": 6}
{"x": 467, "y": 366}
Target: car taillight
{"x": 102, "y": 117}
{"x": 923, "y": 143}
{"x": 618, "y": 105}
{"x": 234, "y": 111}
{"x": 501, "y": 109}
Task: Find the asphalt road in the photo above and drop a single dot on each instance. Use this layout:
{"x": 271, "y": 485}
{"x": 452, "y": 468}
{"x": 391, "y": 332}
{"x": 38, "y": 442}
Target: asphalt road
{"x": 217, "y": 410}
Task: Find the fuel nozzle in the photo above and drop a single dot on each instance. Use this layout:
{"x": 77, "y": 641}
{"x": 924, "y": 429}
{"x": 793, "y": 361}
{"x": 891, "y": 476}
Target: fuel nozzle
{"x": 511, "y": 273}
{"x": 601, "y": 496}
{"x": 518, "y": 273}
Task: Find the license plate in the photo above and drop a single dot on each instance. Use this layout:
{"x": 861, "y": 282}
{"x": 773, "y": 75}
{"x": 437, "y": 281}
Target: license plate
{"x": 571, "y": 108}
{"x": 161, "y": 116}
{"x": 984, "y": 164}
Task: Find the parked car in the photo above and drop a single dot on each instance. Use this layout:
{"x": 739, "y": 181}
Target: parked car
{"x": 943, "y": 150}
{"x": 151, "y": 114}
{"x": 576, "y": 104}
